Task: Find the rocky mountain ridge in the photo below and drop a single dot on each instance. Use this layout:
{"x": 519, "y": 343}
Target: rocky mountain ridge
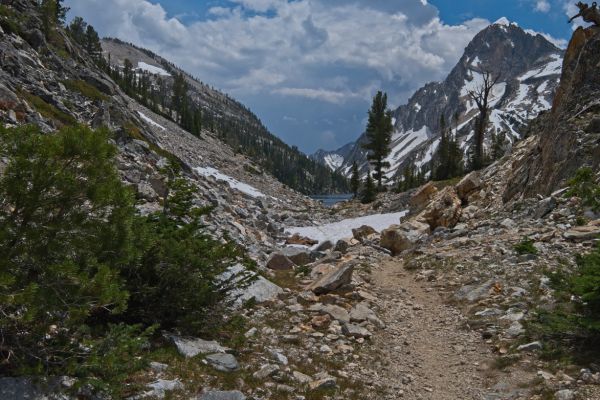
{"x": 229, "y": 120}
{"x": 529, "y": 69}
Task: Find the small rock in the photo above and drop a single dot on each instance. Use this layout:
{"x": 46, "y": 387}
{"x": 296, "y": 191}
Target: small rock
{"x": 158, "y": 367}
{"x": 336, "y": 312}
{"x": 266, "y": 371}
{"x": 222, "y": 362}
{"x": 161, "y": 386}
{"x": 565, "y": 394}
{"x": 533, "y": 346}
{"x": 355, "y": 331}
{"x": 326, "y": 383}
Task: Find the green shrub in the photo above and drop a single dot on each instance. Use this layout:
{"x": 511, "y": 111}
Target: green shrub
{"x": 48, "y": 110}
{"x": 84, "y": 281}
{"x": 525, "y": 247}
{"x": 85, "y": 89}
{"x": 574, "y": 323}
{"x": 584, "y": 186}
{"x": 65, "y": 231}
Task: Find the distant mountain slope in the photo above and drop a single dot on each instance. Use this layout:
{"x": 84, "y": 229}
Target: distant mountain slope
{"x": 529, "y": 66}
{"x": 230, "y": 120}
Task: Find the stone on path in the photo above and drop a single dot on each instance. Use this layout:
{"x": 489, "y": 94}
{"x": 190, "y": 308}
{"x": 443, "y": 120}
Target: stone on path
{"x": 405, "y": 236}
{"x": 337, "y": 278}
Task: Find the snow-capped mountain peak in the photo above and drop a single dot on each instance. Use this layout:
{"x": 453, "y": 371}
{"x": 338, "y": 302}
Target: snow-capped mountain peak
{"x": 529, "y": 69}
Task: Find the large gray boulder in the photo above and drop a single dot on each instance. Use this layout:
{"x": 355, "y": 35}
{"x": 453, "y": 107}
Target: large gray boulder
{"x": 248, "y": 285}
{"x": 398, "y": 238}
{"x": 468, "y": 185}
{"x": 362, "y": 232}
{"x": 422, "y": 196}
{"x": 299, "y": 256}
{"x": 279, "y": 262}
{"x": 336, "y": 279}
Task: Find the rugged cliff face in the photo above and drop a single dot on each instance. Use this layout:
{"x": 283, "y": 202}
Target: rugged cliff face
{"x": 569, "y": 136}
{"x": 529, "y": 70}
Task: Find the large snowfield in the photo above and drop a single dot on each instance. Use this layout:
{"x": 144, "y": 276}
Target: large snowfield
{"x": 343, "y": 229}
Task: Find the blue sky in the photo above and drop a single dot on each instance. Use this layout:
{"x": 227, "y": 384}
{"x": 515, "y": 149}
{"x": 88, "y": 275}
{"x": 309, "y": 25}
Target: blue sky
{"x": 308, "y": 68}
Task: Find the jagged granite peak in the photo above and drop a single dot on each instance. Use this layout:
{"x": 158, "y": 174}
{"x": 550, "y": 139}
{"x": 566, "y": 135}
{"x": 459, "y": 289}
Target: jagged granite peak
{"x": 333, "y": 159}
{"x": 529, "y": 66}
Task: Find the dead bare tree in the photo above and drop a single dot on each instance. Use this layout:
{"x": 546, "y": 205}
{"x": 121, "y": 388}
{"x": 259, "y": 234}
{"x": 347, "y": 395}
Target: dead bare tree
{"x": 481, "y": 96}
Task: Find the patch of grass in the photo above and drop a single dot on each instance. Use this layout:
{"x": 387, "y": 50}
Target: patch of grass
{"x": 284, "y": 279}
{"x": 303, "y": 271}
{"x": 48, "y": 110}
{"x": 251, "y": 169}
{"x": 10, "y": 20}
{"x": 501, "y": 363}
{"x": 581, "y": 220}
{"x": 84, "y": 88}
{"x": 526, "y": 247}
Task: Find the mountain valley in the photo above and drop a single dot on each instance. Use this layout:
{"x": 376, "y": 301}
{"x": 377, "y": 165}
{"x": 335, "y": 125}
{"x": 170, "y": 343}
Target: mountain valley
{"x": 157, "y": 241}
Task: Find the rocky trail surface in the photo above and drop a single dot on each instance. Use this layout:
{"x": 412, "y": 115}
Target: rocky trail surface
{"x": 426, "y": 351}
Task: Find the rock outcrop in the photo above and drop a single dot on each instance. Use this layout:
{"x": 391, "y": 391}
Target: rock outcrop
{"x": 567, "y": 136}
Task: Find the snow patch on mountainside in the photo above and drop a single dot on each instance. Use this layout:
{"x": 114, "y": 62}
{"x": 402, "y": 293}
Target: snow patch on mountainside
{"x": 233, "y": 183}
{"x": 152, "y": 69}
{"x": 150, "y": 121}
{"x": 402, "y": 144}
{"x": 333, "y": 161}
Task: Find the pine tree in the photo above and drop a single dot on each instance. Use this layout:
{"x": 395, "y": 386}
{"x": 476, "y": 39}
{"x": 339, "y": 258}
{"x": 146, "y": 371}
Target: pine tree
{"x": 498, "y": 143}
{"x": 92, "y": 43}
{"x": 355, "y": 180}
{"x": 61, "y": 12}
{"x": 379, "y": 136}
{"x": 49, "y": 10}
{"x": 369, "y": 193}
{"x": 76, "y": 30}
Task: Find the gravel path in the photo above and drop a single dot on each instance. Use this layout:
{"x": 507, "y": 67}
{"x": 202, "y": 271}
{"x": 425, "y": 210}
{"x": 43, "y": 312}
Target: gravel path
{"x": 425, "y": 352}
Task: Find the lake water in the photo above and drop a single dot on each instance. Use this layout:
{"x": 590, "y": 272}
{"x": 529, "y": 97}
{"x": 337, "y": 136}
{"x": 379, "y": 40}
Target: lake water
{"x": 330, "y": 199}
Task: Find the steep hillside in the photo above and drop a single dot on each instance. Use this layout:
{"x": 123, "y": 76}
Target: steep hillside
{"x": 529, "y": 69}
{"x": 229, "y": 120}
{"x": 54, "y": 82}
